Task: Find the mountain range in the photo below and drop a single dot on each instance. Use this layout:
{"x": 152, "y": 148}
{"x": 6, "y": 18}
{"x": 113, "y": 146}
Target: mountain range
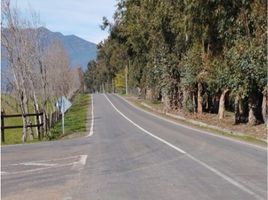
{"x": 80, "y": 51}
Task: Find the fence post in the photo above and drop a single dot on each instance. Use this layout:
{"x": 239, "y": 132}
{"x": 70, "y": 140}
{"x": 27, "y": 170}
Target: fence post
{"x": 2, "y": 127}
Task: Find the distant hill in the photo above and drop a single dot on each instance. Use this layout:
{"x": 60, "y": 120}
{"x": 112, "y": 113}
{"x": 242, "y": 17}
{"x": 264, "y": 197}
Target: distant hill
{"x": 79, "y": 50}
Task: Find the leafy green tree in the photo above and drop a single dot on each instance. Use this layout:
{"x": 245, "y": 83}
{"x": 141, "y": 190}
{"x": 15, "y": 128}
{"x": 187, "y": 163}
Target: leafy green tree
{"x": 189, "y": 54}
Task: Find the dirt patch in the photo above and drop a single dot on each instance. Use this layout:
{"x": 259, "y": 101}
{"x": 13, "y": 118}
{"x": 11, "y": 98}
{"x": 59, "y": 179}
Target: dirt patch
{"x": 73, "y": 135}
{"x": 257, "y": 131}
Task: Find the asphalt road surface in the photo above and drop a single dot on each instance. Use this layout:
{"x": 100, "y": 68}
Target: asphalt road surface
{"x": 130, "y": 154}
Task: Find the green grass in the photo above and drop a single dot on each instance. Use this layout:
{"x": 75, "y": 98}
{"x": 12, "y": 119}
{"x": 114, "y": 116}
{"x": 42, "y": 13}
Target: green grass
{"x": 75, "y": 118}
{"x": 13, "y": 136}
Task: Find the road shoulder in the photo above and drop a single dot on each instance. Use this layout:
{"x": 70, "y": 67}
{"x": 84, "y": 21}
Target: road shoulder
{"x": 200, "y": 126}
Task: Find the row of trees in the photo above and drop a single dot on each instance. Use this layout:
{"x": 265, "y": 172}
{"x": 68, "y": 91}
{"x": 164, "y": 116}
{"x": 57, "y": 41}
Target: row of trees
{"x": 33, "y": 74}
{"x": 194, "y": 56}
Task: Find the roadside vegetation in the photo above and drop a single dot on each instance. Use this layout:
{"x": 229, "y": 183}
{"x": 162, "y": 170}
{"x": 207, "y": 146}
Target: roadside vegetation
{"x": 201, "y": 59}
{"x": 9, "y": 105}
{"x": 34, "y": 74}
{"x": 75, "y": 121}
{"x": 208, "y": 122}
{"x": 75, "y": 118}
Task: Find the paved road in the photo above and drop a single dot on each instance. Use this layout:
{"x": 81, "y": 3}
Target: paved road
{"x": 131, "y": 154}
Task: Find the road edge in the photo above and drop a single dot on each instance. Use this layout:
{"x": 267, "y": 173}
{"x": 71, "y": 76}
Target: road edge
{"x": 208, "y": 167}
{"x": 209, "y": 131}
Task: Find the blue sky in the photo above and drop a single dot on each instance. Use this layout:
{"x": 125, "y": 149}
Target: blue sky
{"x": 78, "y": 17}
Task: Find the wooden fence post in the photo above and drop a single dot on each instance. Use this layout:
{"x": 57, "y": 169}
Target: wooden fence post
{"x": 40, "y": 124}
{"x": 2, "y": 127}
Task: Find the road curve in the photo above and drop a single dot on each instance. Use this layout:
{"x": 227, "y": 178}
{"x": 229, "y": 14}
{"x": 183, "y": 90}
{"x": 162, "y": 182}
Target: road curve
{"x": 131, "y": 154}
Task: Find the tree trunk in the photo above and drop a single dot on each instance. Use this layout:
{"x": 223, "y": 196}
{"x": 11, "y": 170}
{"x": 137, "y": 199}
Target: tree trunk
{"x": 113, "y": 88}
{"x": 186, "y": 96}
{"x": 29, "y": 121}
{"x": 188, "y": 102}
{"x": 24, "y": 131}
{"x": 251, "y": 115}
{"x": 194, "y": 103}
{"x": 149, "y": 94}
{"x": 24, "y": 120}
{"x": 126, "y": 79}
{"x": 237, "y": 109}
{"x": 264, "y": 105}
{"x": 37, "y": 110}
{"x": 222, "y": 104}
{"x": 207, "y": 104}
{"x": 166, "y": 102}
{"x": 241, "y": 108}
{"x": 45, "y": 120}
{"x": 199, "y": 98}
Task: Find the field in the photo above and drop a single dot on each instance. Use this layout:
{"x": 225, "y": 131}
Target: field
{"x": 9, "y": 106}
{"x": 75, "y": 119}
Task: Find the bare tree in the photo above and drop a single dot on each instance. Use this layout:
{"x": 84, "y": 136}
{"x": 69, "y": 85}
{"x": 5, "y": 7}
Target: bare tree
{"x": 13, "y": 41}
{"x": 37, "y": 76}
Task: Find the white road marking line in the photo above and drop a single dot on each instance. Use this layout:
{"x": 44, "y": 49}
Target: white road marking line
{"x": 38, "y": 169}
{"x": 49, "y": 160}
{"x": 92, "y": 118}
{"x": 212, "y": 169}
{"x": 195, "y": 129}
{"x": 227, "y": 178}
{"x": 80, "y": 163}
{"x": 2, "y": 173}
{"x": 36, "y": 164}
{"x": 83, "y": 159}
{"x": 147, "y": 132}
